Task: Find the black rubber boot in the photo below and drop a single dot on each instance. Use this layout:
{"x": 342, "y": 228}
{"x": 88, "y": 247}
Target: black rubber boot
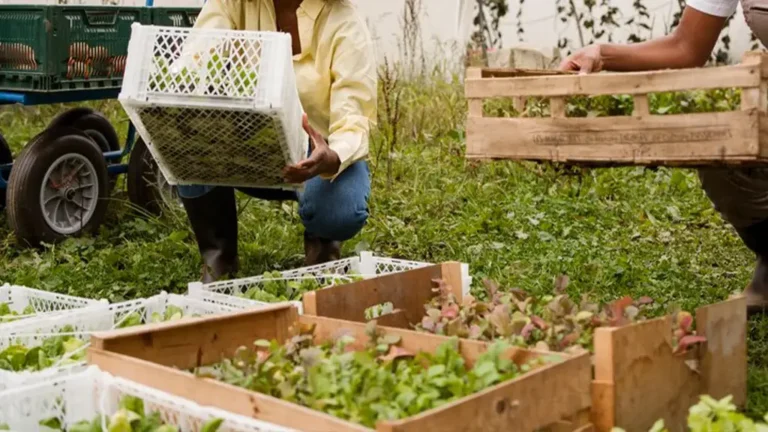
{"x": 213, "y": 217}
{"x": 319, "y": 251}
{"x": 756, "y": 239}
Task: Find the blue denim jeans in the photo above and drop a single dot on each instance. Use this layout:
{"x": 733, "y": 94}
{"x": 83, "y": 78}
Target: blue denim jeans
{"x": 335, "y": 210}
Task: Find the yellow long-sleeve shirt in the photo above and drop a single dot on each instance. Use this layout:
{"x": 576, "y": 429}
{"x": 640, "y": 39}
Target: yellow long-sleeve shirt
{"x": 335, "y": 72}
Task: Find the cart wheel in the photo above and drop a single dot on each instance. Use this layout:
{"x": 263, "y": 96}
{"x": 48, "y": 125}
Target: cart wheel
{"x": 147, "y": 187}
{"x": 58, "y": 187}
{"x": 5, "y": 158}
{"x": 95, "y": 126}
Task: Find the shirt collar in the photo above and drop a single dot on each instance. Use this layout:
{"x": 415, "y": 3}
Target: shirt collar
{"x": 312, "y": 7}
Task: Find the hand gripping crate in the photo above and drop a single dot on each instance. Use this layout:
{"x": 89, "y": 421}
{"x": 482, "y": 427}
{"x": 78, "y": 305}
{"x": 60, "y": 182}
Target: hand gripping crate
{"x": 215, "y": 107}
{"x": 92, "y": 392}
{"x": 44, "y": 303}
{"x": 31, "y": 333}
{"x": 730, "y": 137}
{"x": 56, "y": 48}
{"x": 332, "y": 273}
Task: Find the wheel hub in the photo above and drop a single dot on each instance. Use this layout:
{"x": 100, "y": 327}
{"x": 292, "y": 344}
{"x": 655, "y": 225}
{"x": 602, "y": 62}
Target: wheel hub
{"x": 69, "y": 193}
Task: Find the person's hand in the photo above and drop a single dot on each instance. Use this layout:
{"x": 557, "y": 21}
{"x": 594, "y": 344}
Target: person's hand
{"x": 322, "y": 161}
{"x": 584, "y": 61}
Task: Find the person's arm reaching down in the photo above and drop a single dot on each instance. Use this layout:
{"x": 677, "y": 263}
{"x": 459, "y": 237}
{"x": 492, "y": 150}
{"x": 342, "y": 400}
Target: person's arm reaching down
{"x": 690, "y": 45}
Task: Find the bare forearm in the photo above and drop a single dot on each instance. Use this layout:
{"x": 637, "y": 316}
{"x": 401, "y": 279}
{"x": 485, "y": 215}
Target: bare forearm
{"x": 663, "y": 53}
{"x": 690, "y": 45}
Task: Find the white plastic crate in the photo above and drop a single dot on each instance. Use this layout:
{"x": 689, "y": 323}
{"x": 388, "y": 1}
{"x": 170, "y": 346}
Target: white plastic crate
{"x": 44, "y": 303}
{"x": 332, "y": 273}
{"x": 31, "y": 333}
{"x": 215, "y": 107}
{"x": 92, "y": 392}
{"x": 197, "y": 292}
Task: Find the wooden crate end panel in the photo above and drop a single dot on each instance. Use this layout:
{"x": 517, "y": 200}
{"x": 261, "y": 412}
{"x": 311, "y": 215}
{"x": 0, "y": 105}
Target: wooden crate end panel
{"x": 723, "y": 363}
{"x": 408, "y": 291}
{"x": 190, "y": 343}
{"x": 644, "y": 364}
{"x": 530, "y": 402}
{"x": 687, "y": 137}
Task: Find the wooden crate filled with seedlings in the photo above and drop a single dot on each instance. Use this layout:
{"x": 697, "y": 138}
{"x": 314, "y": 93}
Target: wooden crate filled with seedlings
{"x": 645, "y": 368}
{"x": 621, "y": 118}
{"x": 320, "y": 374}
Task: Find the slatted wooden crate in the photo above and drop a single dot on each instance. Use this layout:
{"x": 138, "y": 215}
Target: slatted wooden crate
{"x": 158, "y": 355}
{"x": 642, "y": 138}
{"x": 637, "y": 378}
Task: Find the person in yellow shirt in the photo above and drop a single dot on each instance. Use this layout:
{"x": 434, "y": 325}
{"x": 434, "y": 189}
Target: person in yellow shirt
{"x": 335, "y": 66}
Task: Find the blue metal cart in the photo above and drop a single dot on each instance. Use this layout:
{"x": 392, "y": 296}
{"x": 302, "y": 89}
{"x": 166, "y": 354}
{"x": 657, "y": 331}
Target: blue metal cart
{"x": 59, "y": 184}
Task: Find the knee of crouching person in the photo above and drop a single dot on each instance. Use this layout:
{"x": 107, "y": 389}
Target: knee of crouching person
{"x": 339, "y": 223}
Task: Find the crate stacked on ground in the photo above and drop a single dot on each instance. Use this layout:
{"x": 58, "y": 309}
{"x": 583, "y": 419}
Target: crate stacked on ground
{"x": 40, "y": 349}
{"x": 215, "y": 107}
{"x": 92, "y": 395}
{"x": 56, "y": 48}
{"x": 246, "y": 293}
{"x": 643, "y": 137}
{"x": 631, "y": 362}
{"x": 18, "y": 303}
{"x": 166, "y": 355}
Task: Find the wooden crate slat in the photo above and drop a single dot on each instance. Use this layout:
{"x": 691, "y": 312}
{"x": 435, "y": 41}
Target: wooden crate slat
{"x": 408, "y": 291}
{"x": 516, "y": 72}
{"x": 689, "y": 137}
{"x": 532, "y": 401}
{"x": 743, "y": 75}
{"x": 518, "y": 404}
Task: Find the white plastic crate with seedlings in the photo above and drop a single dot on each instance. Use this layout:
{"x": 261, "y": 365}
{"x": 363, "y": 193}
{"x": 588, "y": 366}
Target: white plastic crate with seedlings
{"x": 41, "y": 349}
{"x": 18, "y": 302}
{"x": 215, "y": 107}
{"x": 93, "y": 400}
{"x": 291, "y": 285}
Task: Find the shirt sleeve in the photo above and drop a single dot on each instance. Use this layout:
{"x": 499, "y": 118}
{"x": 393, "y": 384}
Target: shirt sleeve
{"x": 353, "y": 93}
{"x": 217, "y": 14}
{"x": 719, "y": 8}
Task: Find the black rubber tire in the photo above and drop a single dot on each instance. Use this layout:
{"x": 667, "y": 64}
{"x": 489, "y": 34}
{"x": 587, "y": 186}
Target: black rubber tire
{"x": 5, "y": 158}
{"x": 86, "y": 119}
{"x": 95, "y": 125}
{"x": 142, "y": 181}
{"x": 24, "y": 211}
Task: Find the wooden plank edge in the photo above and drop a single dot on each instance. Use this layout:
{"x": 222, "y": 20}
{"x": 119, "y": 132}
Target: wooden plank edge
{"x": 631, "y": 83}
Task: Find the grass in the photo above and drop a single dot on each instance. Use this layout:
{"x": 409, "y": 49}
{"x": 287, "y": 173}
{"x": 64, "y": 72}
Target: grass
{"x": 614, "y": 231}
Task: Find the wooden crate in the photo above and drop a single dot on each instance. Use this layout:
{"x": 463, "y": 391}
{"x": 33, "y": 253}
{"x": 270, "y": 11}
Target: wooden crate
{"x": 685, "y": 140}
{"x": 159, "y": 355}
{"x": 637, "y": 378}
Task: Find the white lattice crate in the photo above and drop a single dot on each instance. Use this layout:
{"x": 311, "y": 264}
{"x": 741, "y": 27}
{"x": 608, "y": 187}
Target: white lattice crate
{"x": 91, "y": 393}
{"x": 215, "y": 107}
{"x": 44, "y": 303}
{"x": 32, "y": 333}
{"x": 342, "y": 271}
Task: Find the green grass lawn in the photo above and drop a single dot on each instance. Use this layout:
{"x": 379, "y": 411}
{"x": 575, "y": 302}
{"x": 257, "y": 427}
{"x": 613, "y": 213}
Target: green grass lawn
{"x": 613, "y": 231}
